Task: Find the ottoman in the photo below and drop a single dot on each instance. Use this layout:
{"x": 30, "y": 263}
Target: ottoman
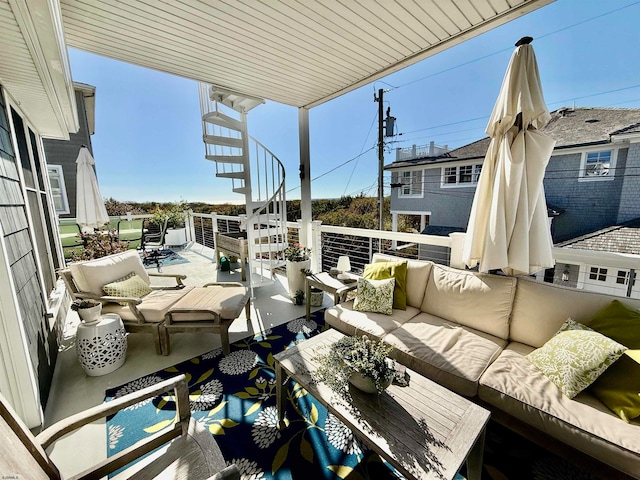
{"x": 210, "y": 309}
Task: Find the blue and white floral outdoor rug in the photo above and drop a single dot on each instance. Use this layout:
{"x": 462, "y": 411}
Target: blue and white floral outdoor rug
{"x": 234, "y": 397}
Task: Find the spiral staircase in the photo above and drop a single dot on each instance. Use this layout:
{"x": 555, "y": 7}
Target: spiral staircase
{"x": 254, "y": 172}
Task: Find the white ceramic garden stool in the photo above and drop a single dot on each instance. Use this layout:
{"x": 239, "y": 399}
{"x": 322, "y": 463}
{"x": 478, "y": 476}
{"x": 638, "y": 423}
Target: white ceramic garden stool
{"x": 101, "y": 346}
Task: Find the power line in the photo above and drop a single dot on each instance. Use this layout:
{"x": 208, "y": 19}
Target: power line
{"x": 373, "y": 120}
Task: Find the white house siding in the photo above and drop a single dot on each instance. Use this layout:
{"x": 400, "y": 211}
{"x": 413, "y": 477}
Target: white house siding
{"x": 630, "y": 197}
{"x": 589, "y": 205}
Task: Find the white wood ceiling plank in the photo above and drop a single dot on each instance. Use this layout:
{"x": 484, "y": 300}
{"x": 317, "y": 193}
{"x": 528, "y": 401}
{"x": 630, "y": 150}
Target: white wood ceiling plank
{"x": 295, "y": 52}
{"x": 362, "y": 35}
{"x": 441, "y": 21}
{"x": 401, "y": 23}
{"x": 455, "y": 14}
{"x": 291, "y": 28}
{"x": 504, "y": 5}
{"x": 240, "y": 80}
{"x": 470, "y": 11}
{"x": 173, "y": 43}
{"x": 418, "y": 20}
{"x": 485, "y": 8}
{"x": 153, "y": 58}
{"x": 206, "y": 28}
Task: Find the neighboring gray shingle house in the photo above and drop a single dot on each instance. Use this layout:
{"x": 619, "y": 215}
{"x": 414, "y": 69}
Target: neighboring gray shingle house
{"x": 62, "y": 154}
{"x": 593, "y": 176}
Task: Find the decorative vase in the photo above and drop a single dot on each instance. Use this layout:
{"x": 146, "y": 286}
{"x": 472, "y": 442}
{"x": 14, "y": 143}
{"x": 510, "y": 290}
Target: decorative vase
{"x": 296, "y": 276}
{"x": 366, "y": 383}
{"x": 91, "y": 314}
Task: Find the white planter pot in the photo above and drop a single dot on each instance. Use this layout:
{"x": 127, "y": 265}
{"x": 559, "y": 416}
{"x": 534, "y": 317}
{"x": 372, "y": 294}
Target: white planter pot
{"x": 90, "y": 315}
{"x": 176, "y": 236}
{"x": 296, "y": 276}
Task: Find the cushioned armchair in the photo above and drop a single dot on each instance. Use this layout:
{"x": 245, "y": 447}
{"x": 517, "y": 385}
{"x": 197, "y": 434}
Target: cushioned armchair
{"x": 184, "y": 450}
{"x": 141, "y": 306}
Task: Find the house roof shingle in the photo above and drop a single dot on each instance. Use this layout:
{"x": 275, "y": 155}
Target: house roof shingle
{"x": 623, "y": 238}
{"x": 569, "y": 127}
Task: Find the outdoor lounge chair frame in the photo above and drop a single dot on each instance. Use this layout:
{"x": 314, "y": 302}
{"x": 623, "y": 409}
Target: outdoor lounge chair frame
{"x": 26, "y": 452}
{"x": 141, "y": 325}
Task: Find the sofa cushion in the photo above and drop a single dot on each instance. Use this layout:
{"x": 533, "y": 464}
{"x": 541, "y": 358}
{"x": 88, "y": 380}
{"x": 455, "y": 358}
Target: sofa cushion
{"x": 540, "y": 309}
{"x": 477, "y": 300}
{"x": 154, "y": 306}
{"x": 575, "y": 356}
{"x": 417, "y": 277}
{"x": 351, "y": 322}
{"x": 515, "y": 386}
{"x": 375, "y": 296}
{"x": 395, "y": 270}
{"x": 451, "y": 354}
{"x": 619, "y": 386}
{"x": 92, "y": 275}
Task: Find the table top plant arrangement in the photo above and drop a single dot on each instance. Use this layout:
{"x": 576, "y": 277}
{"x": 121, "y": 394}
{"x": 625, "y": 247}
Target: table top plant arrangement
{"x": 357, "y": 360}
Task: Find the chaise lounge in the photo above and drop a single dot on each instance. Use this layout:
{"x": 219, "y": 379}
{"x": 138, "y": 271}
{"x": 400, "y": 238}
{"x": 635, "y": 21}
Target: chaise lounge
{"x": 122, "y": 284}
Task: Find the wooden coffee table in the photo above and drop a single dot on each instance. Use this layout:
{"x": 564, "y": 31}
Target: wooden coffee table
{"x": 423, "y": 430}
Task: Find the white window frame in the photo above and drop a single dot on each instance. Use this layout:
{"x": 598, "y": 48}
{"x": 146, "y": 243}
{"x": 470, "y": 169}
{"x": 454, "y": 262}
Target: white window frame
{"x": 412, "y": 181}
{"x": 56, "y": 170}
{"x": 476, "y": 168}
{"x": 582, "y": 175}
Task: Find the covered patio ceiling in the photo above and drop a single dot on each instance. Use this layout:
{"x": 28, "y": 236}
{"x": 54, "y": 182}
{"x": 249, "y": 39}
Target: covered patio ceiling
{"x": 300, "y": 53}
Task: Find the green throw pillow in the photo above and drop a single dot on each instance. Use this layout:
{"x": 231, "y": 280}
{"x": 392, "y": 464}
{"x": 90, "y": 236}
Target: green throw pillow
{"x": 396, "y": 270}
{"x": 575, "y": 356}
{"x": 128, "y": 286}
{"x": 375, "y": 296}
{"x": 620, "y": 323}
{"x": 619, "y": 387}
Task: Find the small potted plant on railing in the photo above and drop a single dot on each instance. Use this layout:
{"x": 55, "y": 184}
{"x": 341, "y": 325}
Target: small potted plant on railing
{"x": 357, "y": 360}
{"x": 88, "y": 310}
{"x": 298, "y": 262}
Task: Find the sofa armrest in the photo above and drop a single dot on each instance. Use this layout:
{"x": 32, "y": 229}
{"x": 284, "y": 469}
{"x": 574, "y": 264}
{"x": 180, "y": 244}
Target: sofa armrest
{"x": 108, "y": 298}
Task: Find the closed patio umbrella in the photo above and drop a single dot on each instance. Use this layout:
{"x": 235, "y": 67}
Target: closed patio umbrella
{"x": 508, "y": 226}
{"x": 90, "y": 210}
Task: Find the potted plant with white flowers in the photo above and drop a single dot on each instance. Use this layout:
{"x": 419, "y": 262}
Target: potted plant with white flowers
{"x": 298, "y": 262}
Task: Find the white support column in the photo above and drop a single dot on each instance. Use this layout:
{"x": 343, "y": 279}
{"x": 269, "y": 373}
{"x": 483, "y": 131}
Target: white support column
{"x": 316, "y": 251}
{"x": 305, "y": 178}
{"x": 457, "y": 244}
{"x": 394, "y": 227}
{"x": 423, "y": 222}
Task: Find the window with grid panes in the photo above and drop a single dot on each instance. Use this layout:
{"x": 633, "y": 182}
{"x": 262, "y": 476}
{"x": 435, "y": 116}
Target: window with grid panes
{"x": 450, "y": 175}
{"x": 411, "y": 183}
{"x": 599, "y": 274}
{"x": 461, "y": 175}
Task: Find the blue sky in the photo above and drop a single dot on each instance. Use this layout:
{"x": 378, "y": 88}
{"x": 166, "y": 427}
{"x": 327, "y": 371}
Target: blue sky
{"x": 148, "y": 141}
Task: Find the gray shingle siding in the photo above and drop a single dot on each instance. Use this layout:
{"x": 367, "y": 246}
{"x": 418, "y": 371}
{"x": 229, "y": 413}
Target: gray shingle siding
{"x": 589, "y": 205}
{"x": 65, "y": 153}
{"x": 630, "y": 197}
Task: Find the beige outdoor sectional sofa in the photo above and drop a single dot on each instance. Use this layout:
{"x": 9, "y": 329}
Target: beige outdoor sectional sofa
{"x": 470, "y": 332}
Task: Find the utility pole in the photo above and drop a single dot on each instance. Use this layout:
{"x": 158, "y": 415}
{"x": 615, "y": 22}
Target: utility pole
{"x": 380, "y": 155}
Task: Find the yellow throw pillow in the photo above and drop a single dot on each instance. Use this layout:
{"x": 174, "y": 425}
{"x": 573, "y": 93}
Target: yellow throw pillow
{"x": 396, "y": 270}
{"x": 128, "y": 286}
{"x": 619, "y": 322}
{"x": 619, "y": 386}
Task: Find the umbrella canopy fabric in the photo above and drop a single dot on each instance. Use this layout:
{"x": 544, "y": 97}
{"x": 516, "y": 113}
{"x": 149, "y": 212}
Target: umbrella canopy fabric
{"x": 90, "y": 210}
{"x": 508, "y": 226}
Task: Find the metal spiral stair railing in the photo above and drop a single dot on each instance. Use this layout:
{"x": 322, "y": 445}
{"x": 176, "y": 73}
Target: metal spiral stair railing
{"x": 254, "y": 171}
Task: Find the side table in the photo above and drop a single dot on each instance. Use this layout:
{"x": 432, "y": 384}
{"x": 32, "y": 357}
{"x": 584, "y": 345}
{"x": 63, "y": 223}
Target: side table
{"x": 329, "y": 284}
{"x": 101, "y": 346}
